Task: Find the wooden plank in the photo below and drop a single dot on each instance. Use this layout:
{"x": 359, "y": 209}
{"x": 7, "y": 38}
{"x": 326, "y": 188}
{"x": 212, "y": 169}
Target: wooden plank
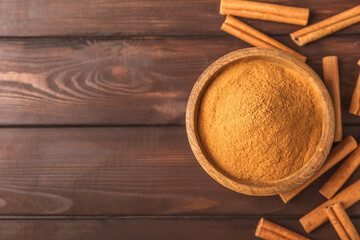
{"x": 140, "y": 17}
{"x": 123, "y": 171}
{"x": 167, "y": 228}
{"x": 139, "y": 81}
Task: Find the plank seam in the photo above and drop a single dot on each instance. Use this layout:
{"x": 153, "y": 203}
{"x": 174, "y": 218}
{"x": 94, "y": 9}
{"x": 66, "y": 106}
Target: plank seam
{"x": 118, "y": 217}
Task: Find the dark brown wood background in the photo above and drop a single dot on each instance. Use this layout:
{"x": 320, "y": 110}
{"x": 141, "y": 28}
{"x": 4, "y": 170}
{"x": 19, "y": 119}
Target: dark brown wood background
{"x": 92, "y": 103}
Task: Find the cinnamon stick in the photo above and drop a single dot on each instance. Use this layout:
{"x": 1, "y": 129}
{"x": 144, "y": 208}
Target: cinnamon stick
{"x": 339, "y": 152}
{"x": 342, "y": 174}
{"x": 265, "y": 11}
{"x": 331, "y": 80}
{"x": 326, "y": 27}
{"x": 268, "y": 235}
{"x": 348, "y": 197}
{"x": 271, "y": 231}
{"x": 336, "y": 224}
{"x": 254, "y": 37}
{"x": 355, "y": 100}
{"x": 341, "y": 222}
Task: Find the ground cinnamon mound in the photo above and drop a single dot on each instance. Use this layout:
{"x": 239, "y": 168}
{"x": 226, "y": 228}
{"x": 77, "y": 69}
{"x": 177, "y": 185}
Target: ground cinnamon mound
{"x": 260, "y": 120}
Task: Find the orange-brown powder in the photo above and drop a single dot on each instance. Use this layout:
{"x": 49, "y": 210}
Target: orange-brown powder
{"x": 259, "y": 120}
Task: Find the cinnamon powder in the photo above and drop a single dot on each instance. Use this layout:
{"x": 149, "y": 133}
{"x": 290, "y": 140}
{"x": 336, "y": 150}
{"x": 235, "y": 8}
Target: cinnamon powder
{"x": 259, "y": 120}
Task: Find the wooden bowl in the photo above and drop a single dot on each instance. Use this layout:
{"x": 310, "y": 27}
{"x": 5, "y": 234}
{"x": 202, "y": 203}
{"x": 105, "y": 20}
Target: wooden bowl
{"x": 265, "y": 188}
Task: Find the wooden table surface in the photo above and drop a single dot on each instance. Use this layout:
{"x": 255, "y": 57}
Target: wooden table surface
{"x": 92, "y": 104}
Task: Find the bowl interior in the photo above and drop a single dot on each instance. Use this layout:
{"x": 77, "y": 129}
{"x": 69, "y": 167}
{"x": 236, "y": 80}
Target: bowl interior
{"x": 262, "y": 188}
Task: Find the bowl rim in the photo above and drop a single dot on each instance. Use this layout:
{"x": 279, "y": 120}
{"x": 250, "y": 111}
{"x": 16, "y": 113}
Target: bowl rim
{"x": 264, "y": 188}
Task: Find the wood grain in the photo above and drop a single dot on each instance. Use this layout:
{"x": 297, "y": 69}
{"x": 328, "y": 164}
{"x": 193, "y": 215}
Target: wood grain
{"x": 131, "y": 63}
{"x": 148, "y": 228}
{"x": 125, "y": 171}
{"x": 138, "y": 81}
{"x": 140, "y": 17}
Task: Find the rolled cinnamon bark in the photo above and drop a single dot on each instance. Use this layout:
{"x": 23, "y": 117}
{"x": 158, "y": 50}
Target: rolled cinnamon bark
{"x": 254, "y": 37}
{"x": 348, "y": 197}
{"x": 339, "y": 152}
{"x": 355, "y": 100}
{"x": 332, "y": 82}
{"x": 268, "y": 235}
{"x": 336, "y": 224}
{"x": 326, "y": 27}
{"x": 342, "y": 174}
{"x": 265, "y": 11}
{"x": 269, "y": 230}
{"x": 341, "y": 222}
